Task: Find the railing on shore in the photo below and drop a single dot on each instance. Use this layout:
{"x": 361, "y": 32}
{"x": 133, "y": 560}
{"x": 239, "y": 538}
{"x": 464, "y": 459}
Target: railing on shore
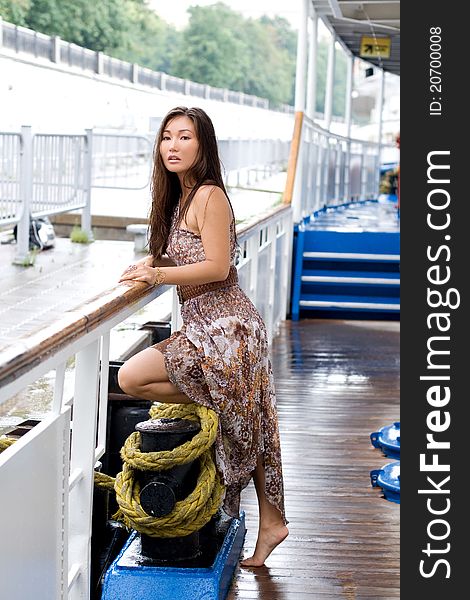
{"x": 21, "y": 39}
{"x": 48, "y": 529}
{"x": 46, "y": 174}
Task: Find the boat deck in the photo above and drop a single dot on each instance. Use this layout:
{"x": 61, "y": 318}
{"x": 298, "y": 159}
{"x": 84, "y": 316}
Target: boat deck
{"x": 336, "y": 382}
{"x": 381, "y": 216}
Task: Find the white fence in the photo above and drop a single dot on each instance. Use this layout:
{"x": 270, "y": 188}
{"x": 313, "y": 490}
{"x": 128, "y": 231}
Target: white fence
{"x": 45, "y": 174}
{"x": 47, "y": 476}
{"x": 11, "y": 145}
{"x": 333, "y": 170}
{"x": 241, "y": 158}
{"x": 23, "y": 40}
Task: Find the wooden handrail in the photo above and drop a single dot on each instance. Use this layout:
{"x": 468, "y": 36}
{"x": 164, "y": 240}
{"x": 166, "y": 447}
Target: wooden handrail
{"x": 33, "y": 348}
{"x": 244, "y": 228}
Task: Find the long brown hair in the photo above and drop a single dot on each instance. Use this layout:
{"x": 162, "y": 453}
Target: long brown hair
{"x": 165, "y": 186}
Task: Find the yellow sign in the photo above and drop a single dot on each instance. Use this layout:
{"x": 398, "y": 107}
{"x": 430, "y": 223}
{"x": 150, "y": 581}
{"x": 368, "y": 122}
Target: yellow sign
{"x": 375, "y": 47}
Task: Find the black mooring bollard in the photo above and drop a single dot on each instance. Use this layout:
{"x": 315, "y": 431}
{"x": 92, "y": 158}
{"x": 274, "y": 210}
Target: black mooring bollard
{"x": 161, "y": 490}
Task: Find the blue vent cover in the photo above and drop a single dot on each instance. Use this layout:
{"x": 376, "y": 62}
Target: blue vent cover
{"x": 388, "y": 440}
{"x": 388, "y": 478}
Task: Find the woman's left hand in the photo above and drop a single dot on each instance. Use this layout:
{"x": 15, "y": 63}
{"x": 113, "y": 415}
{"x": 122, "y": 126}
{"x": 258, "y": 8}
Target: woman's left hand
{"x": 139, "y": 272}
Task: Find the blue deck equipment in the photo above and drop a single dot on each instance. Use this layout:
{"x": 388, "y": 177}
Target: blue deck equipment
{"x": 388, "y": 478}
{"x": 388, "y": 440}
{"x": 347, "y": 259}
{"x": 131, "y": 577}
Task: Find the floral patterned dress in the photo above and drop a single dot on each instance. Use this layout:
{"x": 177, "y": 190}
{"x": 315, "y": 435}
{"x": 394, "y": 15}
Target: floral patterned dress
{"x": 219, "y": 358}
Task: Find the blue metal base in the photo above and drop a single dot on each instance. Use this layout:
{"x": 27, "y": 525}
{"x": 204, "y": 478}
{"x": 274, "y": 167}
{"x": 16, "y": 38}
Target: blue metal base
{"x": 127, "y": 579}
{"x": 388, "y": 478}
{"x": 388, "y": 440}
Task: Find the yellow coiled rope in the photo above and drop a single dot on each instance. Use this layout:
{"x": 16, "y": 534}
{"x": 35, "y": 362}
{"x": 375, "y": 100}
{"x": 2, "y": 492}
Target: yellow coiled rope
{"x": 195, "y": 510}
{"x": 6, "y": 443}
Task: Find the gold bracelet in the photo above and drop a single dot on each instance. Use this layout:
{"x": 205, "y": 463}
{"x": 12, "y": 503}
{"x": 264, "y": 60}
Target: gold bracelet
{"x": 160, "y": 276}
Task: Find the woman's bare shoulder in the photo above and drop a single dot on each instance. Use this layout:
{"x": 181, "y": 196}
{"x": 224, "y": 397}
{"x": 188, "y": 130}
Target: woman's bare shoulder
{"x": 209, "y": 190}
{"x": 211, "y": 195}
{"x": 211, "y": 201}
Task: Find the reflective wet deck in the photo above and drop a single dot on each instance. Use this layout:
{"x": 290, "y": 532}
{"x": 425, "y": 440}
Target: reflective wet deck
{"x": 337, "y": 382}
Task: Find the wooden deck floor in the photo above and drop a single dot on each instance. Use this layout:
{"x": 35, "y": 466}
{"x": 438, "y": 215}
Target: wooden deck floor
{"x": 61, "y": 279}
{"x": 336, "y": 382}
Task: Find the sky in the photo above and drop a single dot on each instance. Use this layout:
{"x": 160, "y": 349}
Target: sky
{"x": 175, "y": 12}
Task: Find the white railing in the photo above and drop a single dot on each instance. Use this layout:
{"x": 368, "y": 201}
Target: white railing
{"x": 125, "y": 161}
{"x": 46, "y": 477}
{"x": 45, "y": 174}
{"x": 333, "y": 170}
{"x": 241, "y": 158}
{"x": 59, "y": 177}
{"x": 10, "y": 170}
{"x": 121, "y": 161}
{"x": 264, "y": 265}
{"x": 21, "y": 39}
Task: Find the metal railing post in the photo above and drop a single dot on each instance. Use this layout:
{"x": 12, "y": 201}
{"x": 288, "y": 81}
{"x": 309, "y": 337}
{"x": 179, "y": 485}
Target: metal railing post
{"x": 272, "y": 287}
{"x": 86, "y": 210}
{"x": 85, "y": 405}
{"x": 286, "y": 271}
{"x": 380, "y": 108}
{"x": 253, "y": 253}
{"x": 23, "y": 256}
{"x": 55, "y": 49}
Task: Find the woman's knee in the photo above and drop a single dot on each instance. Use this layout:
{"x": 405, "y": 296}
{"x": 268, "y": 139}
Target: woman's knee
{"x": 142, "y": 369}
{"x": 127, "y": 380}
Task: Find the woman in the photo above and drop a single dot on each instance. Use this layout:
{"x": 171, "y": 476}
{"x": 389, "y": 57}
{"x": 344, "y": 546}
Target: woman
{"x": 220, "y": 356}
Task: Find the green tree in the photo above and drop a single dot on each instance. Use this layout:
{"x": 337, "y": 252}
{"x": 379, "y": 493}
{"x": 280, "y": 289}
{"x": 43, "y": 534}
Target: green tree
{"x": 149, "y": 41}
{"x": 339, "y": 95}
{"x": 218, "y": 47}
{"x": 223, "y": 49}
{"x": 14, "y": 11}
{"x": 285, "y": 38}
{"x": 212, "y": 50}
{"x": 100, "y": 26}
{"x": 339, "y": 90}
{"x": 269, "y": 72}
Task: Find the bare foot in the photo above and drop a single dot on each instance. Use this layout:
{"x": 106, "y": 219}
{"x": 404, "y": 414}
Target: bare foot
{"x": 267, "y": 540}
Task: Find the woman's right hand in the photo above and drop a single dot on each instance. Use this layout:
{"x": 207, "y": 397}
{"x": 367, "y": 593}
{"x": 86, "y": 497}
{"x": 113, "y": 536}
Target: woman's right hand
{"x": 147, "y": 261}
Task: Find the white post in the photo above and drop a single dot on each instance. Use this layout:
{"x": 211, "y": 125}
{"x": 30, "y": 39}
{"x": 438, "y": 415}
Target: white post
{"x": 253, "y": 253}
{"x": 349, "y": 89}
{"x": 301, "y": 65}
{"x": 312, "y": 67}
{"x": 135, "y": 73}
{"x": 300, "y": 89}
{"x": 103, "y": 401}
{"x": 380, "y": 111}
{"x": 348, "y": 120}
{"x": 55, "y": 49}
{"x": 23, "y": 256}
{"x": 330, "y": 81}
{"x": 99, "y": 63}
{"x": 272, "y": 237}
{"x": 286, "y": 258}
{"x": 88, "y": 166}
{"x": 85, "y": 405}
